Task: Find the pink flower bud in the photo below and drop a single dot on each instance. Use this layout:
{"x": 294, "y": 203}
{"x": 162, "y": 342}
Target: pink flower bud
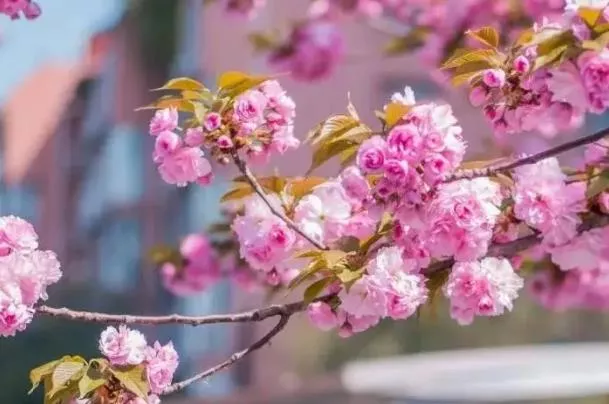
{"x": 521, "y": 64}
{"x": 212, "y": 121}
{"x": 224, "y": 142}
{"x": 493, "y": 77}
{"x": 478, "y": 96}
{"x": 32, "y": 11}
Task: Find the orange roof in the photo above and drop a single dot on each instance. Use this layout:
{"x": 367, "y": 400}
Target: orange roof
{"x": 31, "y": 115}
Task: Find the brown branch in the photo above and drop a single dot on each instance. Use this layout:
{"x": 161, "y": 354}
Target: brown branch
{"x": 283, "y": 321}
{"x": 532, "y": 159}
{"x": 251, "y": 179}
{"x": 248, "y": 316}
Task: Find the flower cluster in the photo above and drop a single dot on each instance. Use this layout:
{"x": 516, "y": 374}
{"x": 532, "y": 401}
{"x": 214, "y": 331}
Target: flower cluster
{"x": 313, "y": 51}
{"x": 178, "y": 161}
{"x": 416, "y": 155}
{"x": 258, "y": 122}
{"x": 530, "y": 91}
{"x": 16, "y": 8}
{"x": 199, "y": 269}
{"x": 544, "y": 201}
{"x": 25, "y": 274}
{"x": 124, "y": 346}
{"x": 484, "y": 288}
{"x": 390, "y": 288}
{"x": 262, "y": 121}
{"x": 266, "y": 242}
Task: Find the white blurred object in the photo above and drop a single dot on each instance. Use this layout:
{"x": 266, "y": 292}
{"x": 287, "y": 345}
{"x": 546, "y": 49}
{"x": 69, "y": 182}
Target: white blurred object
{"x": 486, "y": 375}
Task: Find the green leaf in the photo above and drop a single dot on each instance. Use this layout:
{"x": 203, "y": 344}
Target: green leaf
{"x": 38, "y": 374}
{"x": 559, "y": 40}
{"x": 234, "y": 83}
{"x": 132, "y": 378}
{"x": 467, "y": 72}
{"x": 69, "y": 369}
{"x": 411, "y": 41}
{"x": 263, "y": 41}
{"x": 598, "y": 184}
{"x": 309, "y": 254}
{"x": 351, "y": 108}
{"x": 348, "y": 155}
{"x": 333, "y": 257}
{"x": 589, "y": 15}
{"x": 332, "y": 127}
{"x": 315, "y": 289}
{"x": 182, "y": 83}
{"x": 550, "y": 58}
{"x": 219, "y": 228}
{"x": 486, "y": 35}
{"x": 91, "y": 380}
{"x": 238, "y": 192}
{"x": 314, "y": 266}
{"x": 473, "y": 55}
{"x": 303, "y": 186}
{"x": 525, "y": 37}
{"x": 395, "y": 112}
{"x": 168, "y": 102}
{"x": 329, "y": 150}
{"x": 160, "y": 254}
{"x": 348, "y": 276}
{"x": 199, "y": 111}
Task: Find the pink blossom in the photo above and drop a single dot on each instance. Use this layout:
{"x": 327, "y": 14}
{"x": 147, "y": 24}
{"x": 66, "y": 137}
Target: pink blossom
{"x": 16, "y": 234}
{"x": 185, "y": 165}
{"x": 355, "y": 185}
{"x": 390, "y": 288}
{"x": 123, "y": 346}
{"x": 14, "y": 317}
{"x": 597, "y": 152}
{"x": 247, "y": 8}
{"x": 478, "y": 96}
{"x": 405, "y": 142}
{"x": 484, "y": 288}
{"x": 594, "y": 70}
{"x": 164, "y": 120}
{"x": 460, "y": 220}
{"x": 405, "y": 98}
{"x": 166, "y": 144}
{"x": 224, "y": 142}
{"x": 545, "y": 202}
{"x": 194, "y": 137}
{"x": 249, "y": 107}
{"x": 200, "y": 268}
{"x": 322, "y": 316}
{"x": 521, "y": 64}
{"x": 161, "y": 364}
{"x": 314, "y": 50}
{"x": 494, "y": 77}
{"x": 13, "y": 8}
{"x": 371, "y": 154}
{"x": 324, "y": 213}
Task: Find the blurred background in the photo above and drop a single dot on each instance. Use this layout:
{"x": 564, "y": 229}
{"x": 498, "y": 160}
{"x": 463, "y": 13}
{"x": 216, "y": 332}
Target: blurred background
{"x": 76, "y": 161}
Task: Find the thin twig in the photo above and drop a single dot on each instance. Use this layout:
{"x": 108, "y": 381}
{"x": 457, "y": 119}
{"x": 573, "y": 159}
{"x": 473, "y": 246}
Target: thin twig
{"x": 248, "y": 316}
{"x": 283, "y": 321}
{"x": 532, "y": 159}
{"x": 251, "y": 179}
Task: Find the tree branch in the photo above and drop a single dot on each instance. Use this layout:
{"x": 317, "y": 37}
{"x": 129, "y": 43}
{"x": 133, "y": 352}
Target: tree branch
{"x": 532, "y": 159}
{"x": 248, "y": 316}
{"x": 251, "y": 179}
{"x": 283, "y": 321}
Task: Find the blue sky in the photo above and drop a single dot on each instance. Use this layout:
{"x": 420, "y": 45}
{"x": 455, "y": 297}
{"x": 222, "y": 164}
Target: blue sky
{"x": 60, "y": 33}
